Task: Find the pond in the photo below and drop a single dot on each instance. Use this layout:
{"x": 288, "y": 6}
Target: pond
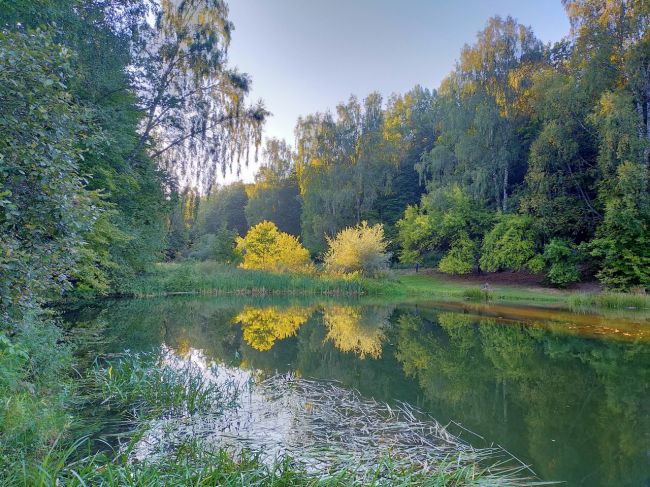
{"x": 566, "y": 394}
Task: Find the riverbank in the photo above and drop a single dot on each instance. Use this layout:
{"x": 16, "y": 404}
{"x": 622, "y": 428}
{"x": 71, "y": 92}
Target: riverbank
{"x": 211, "y": 278}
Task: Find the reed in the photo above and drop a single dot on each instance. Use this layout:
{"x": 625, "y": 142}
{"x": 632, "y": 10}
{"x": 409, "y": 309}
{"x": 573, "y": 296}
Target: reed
{"x": 580, "y": 301}
{"x": 146, "y": 387}
{"x": 212, "y": 278}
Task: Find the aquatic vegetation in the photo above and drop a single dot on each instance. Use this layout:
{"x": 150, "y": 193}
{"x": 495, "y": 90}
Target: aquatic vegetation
{"x": 339, "y": 438}
{"x": 609, "y": 300}
{"x": 150, "y": 385}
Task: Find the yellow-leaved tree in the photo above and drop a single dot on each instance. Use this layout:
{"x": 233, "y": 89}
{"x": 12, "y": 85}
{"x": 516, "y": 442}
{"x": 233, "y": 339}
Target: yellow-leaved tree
{"x": 266, "y": 248}
{"x": 360, "y": 249}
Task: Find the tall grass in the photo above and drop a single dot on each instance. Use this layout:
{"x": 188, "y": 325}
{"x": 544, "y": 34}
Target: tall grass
{"x": 216, "y": 278}
{"x": 196, "y": 464}
{"x": 144, "y": 387}
{"x": 580, "y": 301}
{"x": 151, "y": 385}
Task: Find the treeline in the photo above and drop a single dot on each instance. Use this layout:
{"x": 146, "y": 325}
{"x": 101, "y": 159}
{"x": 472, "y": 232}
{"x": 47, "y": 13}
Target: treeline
{"x": 527, "y": 157}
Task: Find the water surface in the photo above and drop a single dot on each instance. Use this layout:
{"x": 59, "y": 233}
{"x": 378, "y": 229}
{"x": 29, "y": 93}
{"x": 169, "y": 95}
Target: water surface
{"x": 566, "y": 393}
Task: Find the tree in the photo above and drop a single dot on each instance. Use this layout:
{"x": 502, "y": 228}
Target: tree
{"x": 219, "y": 246}
{"x": 461, "y": 256}
{"x": 343, "y": 166}
{"x": 266, "y": 248}
{"x": 44, "y": 208}
{"x": 446, "y": 229}
{"x": 561, "y": 258}
{"x": 224, "y": 206}
{"x": 622, "y": 240}
{"x": 511, "y": 244}
{"x": 360, "y": 249}
{"x": 196, "y": 120}
{"x": 275, "y": 196}
{"x": 482, "y": 115}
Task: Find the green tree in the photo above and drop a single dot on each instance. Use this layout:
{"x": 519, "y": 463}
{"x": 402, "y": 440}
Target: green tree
{"x": 561, "y": 258}
{"x": 622, "y": 241}
{"x": 275, "y": 196}
{"x": 196, "y": 118}
{"x": 343, "y": 166}
{"x": 511, "y": 244}
{"x": 446, "y": 229}
{"x": 44, "y": 208}
{"x": 219, "y": 246}
{"x": 224, "y": 206}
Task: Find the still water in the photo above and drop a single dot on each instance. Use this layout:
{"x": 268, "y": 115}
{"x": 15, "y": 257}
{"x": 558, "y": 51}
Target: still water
{"x": 567, "y": 394}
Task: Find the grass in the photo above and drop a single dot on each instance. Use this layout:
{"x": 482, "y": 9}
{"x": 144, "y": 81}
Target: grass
{"x": 148, "y": 385}
{"x": 580, "y": 301}
{"x": 197, "y": 465}
{"x": 214, "y": 278}
{"x": 211, "y": 278}
{"x": 433, "y": 286}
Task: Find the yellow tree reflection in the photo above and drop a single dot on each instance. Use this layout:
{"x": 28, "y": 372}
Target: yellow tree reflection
{"x": 263, "y": 326}
{"x": 356, "y": 329}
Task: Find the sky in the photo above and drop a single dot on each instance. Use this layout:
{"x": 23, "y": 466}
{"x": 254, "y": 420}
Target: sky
{"x": 306, "y": 56}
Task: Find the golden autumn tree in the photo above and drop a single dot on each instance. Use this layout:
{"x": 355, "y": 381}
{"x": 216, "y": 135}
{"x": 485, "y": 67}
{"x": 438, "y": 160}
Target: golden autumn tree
{"x": 266, "y": 248}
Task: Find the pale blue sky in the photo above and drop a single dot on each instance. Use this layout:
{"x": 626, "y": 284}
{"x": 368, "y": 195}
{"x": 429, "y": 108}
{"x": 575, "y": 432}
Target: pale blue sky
{"x": 306, "y": 55}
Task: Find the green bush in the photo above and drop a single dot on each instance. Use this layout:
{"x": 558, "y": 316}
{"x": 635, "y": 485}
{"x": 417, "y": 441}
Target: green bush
{"x": 461, "y": 258}
{"x": 510, "y": 245}
{"x": 561, "y": 259}
{"x": 219, "y": 246}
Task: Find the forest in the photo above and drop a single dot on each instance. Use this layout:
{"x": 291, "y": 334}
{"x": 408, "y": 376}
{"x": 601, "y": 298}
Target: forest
{"x": 119, "y": 117}
{"x": 528, "y": 157}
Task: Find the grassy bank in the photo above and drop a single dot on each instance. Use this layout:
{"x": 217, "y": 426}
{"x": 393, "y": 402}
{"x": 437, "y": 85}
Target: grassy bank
{"x": 211, "y": 278}
{"x": 214, "y": 278}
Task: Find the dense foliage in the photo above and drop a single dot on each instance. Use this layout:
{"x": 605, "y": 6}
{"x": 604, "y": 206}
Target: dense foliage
{"x": 523, "y": 144}
{"x": 360, "y": 249}
{"x": 266, "y": 248}
{"x": 117, "y": 115}
{"x": 100, "y": 100}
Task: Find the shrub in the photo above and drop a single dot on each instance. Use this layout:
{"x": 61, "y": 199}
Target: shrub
{"x": 461, "y": 258}
{"x": 360, "y": 249}
{"x": 218, "y": 246}
{"x": 510, "y": 245}
{"x": 561, "y": 258}
{"x": 265, "y": 247}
